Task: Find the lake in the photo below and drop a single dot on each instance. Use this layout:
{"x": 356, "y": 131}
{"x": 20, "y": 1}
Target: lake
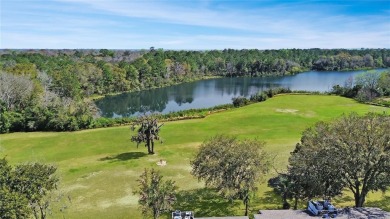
{"x": 212, "y": 92}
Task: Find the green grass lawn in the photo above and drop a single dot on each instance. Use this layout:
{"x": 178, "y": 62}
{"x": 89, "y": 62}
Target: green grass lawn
{"x": 98, "y": 168}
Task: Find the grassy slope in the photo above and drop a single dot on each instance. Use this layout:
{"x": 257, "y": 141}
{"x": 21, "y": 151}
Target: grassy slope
{"x": 98, "y": 168}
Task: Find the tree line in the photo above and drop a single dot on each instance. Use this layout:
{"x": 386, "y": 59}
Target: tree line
{"x": 49, "y": 89}
{"x": 81, "y": 73}
{"x": 365, "y": 87}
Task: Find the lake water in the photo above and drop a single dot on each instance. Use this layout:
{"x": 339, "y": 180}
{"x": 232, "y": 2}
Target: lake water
{"x": 212, "y": 92}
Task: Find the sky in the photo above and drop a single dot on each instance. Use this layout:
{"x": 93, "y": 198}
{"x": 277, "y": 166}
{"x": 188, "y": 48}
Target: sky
{"x": 194, "y": 24}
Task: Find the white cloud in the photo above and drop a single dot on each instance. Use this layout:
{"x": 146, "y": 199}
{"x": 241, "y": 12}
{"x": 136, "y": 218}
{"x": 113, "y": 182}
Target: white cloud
{"x": 270, "y": 20}
{"x": 277, "y": 19}
{"x": 187, "y": 25}
{"x": 330, "y": 40}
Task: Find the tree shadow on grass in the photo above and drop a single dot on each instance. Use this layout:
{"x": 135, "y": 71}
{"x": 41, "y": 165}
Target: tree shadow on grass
{"x": 269, "y": 198}
{"x": 383, "y": 204}
{"x": 344, "y": 199}
{"x": 205, "y": 203}
{"x": 124, "y": 156}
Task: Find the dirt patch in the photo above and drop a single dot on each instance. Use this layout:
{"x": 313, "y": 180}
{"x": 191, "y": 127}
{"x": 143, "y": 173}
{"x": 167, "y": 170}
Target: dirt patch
{"x": 105, "y": 204}
{"x": 90, "y": 175}
{"x": 287, "y": 110}
{"x": 127, "y": 200}
{"x": 75, "y": 187}
{"x": 310, "y": 114}
{"x": 161, "y": 163}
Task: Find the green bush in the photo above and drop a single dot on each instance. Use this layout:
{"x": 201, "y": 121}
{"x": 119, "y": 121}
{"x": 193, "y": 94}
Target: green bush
{"x": 17, "y": 121}
{"x": 274, "y": 91}
{"x": 240, "y": 101}
{"x": 103, "y": 122}
{"x": 5, "y": 122}
{"x": 259, "y": 97}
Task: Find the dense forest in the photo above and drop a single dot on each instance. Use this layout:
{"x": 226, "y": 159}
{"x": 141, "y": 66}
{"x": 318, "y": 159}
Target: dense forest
{"x": 49, "y": 89}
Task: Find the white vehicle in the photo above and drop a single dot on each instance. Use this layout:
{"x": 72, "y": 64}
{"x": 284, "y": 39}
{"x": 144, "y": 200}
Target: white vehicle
{"x": 189, "y": 215}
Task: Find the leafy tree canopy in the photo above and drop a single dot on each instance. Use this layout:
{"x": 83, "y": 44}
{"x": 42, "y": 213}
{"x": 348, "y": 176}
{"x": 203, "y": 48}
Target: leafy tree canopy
{"x": 147, "y": 132}
{"x": 351, "y": 153}
{"x": 23, "y": 189}
{"x": 156, "y": 196}
{"x": 231, "y": 166}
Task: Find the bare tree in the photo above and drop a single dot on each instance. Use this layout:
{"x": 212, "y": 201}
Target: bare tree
{"x": 369, "y": 82}
{"x": 15, "y": 90}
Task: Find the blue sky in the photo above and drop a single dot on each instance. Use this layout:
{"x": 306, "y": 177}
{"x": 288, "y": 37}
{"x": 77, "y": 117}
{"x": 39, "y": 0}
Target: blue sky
{"x": 194, "y": 24}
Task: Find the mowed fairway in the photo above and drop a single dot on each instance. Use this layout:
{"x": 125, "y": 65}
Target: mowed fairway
{"x": 98, "y": 168}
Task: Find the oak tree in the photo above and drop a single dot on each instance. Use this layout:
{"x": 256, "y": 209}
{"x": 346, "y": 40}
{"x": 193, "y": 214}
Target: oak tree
{"x": 351, "y": 153}
{"x": 24, "y": 189}
{"x": 156, "y": 196}
{"x": 147, "y": 132}
{"x": 231, "y": 166}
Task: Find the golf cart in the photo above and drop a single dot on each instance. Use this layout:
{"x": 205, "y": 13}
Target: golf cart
{"x": 324, "y": 208}
{"x": 182, "y": 214}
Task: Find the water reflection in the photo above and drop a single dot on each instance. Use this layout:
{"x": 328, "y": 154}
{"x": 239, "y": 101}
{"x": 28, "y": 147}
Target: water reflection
{"x": 212, "y": 92}
{"x": 128, "y": 104}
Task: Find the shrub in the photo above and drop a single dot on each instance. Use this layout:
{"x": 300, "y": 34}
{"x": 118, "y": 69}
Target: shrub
{"x": 240, "y": 101}
{"x": 273, "y": 91}
{"x": 103, "y": 122}
{"x": 259, "y": 97}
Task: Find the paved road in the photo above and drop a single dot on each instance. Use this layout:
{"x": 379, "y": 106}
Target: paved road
{"x": 359, "y": 213}
{"x": 288, "y": 214}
